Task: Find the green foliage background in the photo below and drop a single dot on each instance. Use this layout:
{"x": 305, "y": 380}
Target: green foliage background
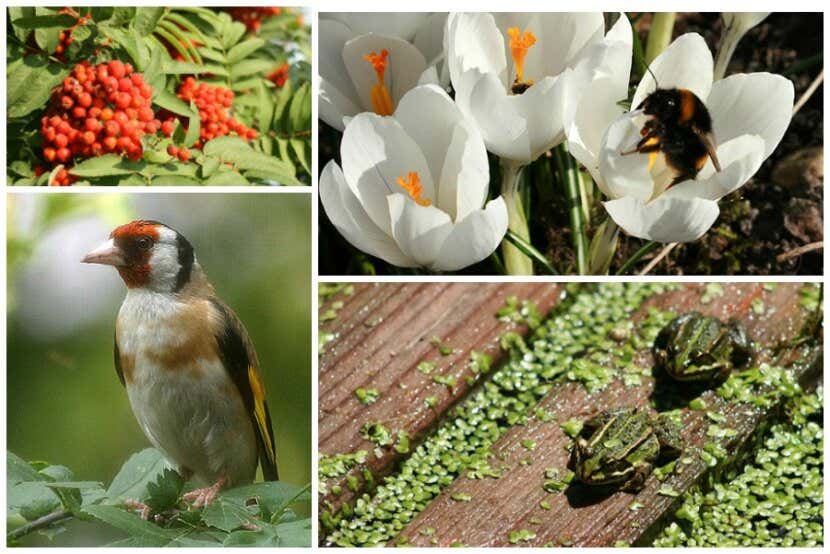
{"x": 65, "y": 403}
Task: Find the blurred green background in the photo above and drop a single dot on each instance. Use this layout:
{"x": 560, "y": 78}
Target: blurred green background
{"x": 65, "y": 403}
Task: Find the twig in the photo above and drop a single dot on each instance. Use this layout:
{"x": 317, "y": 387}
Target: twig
{"x": 663, "y": 253}
{"x": 795, "y": 252}
{"x": 38, "y": 524}
{"x": 809, "y": 92}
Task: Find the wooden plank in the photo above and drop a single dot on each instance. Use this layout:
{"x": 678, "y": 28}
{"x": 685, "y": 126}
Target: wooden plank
{"x": 382, "y": 333}
{"x": 511, "y": 504}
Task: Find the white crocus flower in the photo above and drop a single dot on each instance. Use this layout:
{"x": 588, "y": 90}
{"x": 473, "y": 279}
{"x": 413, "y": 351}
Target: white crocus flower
{"x": 367, "y": 62}
{"x": 750, "y": 113}
{"x": 518, "y": 75}
{"x": 413, "y": 186}
{"x": 735, "y": 26}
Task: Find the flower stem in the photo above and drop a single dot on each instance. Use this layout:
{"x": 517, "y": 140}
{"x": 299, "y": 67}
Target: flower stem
{"x": 569, "y": 174}
{"x": 603, "y": 247}
{"x": 629, "y": 263}
{"x": 659, "y": 36}
{"x": 530, "y": 251}
{"x": 515, "y": 262}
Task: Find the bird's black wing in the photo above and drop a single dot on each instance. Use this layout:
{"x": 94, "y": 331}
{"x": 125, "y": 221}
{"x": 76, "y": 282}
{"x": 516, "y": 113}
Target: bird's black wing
{"x": 240, "y": 359}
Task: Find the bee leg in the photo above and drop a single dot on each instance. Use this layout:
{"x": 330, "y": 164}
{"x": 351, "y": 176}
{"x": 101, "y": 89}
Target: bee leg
{"x": 649, "y": 143}
{"x": 680, "y": 178}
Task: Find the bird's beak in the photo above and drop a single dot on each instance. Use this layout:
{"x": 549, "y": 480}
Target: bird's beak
{"x": 106, "y": 254}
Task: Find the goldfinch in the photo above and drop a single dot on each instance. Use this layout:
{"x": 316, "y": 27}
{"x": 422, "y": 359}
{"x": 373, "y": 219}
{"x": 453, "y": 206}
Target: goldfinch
{"x": 191, "y": 373}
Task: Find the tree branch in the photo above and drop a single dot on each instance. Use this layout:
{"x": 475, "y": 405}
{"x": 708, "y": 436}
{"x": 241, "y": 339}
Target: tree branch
{"x": 38, "y": 524}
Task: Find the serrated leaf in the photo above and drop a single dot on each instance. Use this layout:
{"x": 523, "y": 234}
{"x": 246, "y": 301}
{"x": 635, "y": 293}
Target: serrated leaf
{"x": 29, "y": 83}
{"x": 140, "y": 469}
{"x": 105, "y": 166}
{"x": 32, "y": 499}
{"x": 16, "y": 13}
{"x": 209, "y": 167}
{"x": 248, "y": 67}
{"x": 232, "y": 31}
{"x": 244, "y": 49}
{"x": 146, "y": 19}
{"x": 226, "y": 515}
{"x": 167, "y": 100}
{"x": 302, "y": 149}
{"x": 227, "y": 178}
{"x": 19, "y": 471}
{"x": 171, "y": 67}
{"x": 133, "y": 525}
{"x": 283, "y": 98}
{"x": 295, "y": 533}
{"x": 164, "y": 492}
{"x": 194, "y": 128}
{"x": 60, "y": 21}
{"x": 299, "y": 114}
{"x": 266, "y": 106}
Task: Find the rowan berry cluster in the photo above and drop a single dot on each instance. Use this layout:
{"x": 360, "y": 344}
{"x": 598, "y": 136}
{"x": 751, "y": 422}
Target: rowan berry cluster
{"x": 98, "y": 110}
{"x": 252, "y": 17}
{"x": 65, "y": 37}
{"x": 213, "y": 103}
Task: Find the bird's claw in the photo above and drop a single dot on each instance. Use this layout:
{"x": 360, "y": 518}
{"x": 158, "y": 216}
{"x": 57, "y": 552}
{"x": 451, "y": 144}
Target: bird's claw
{"x": 204, "y": 496}
{"x": 143, "y": 509}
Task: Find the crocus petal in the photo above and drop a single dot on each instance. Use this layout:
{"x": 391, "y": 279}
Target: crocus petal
{"x": 348, "y": 216}
{"x": 566, "y": 37}
{"x": 543, "y": 106}
{"x": 419, "y": 230}
{"x": 474, "y": 42}
{"x": 740, "y": 158}
{"x": 406, "y": 64}
{"x": 430, "y": 41}
{"x": 499, "y": 119}
{"x": 465, "y": 176}
{"x": 333, "y": 106}
{"x": 625, "y": 175}
{"x": 376, "y": 151}
{"x": 752, "y": 104}
{"x": 686, "y": 63}
{"x": 397, "y": 24}
{"x": 474, "y": 238}
{"x": 665, "y": 219}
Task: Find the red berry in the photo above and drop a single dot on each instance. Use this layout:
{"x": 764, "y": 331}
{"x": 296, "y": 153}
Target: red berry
{"x": 49, "y": 154}
{"x": 117, "y": 69}
{"x": 173, "y": 150}
{"x": 63, "y": 154}
{"x": 184, "y": 154}
{"x": 89, "y": 137}
{"x": 167, "y": 127}
{"x": 110, "y": 143}
{"x": 61, "y": 141}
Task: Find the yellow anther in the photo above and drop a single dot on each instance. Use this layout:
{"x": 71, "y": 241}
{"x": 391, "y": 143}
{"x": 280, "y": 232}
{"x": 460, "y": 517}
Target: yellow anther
{"x": 381, "y": 99}
{"x": 412, "y": 185}
{"x": 520, "y": 43}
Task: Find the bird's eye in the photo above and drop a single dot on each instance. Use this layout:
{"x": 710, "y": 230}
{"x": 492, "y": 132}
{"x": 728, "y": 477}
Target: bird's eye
{"x": 145, "y": 243}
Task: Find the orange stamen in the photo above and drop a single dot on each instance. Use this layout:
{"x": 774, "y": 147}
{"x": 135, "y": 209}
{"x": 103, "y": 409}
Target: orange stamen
{"x": 412, "y": 185}
{"x": 381, "y": 99}
{"x": 520, "y": 43}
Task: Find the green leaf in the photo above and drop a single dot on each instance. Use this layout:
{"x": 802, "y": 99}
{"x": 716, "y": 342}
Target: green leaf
{"x": 122, "y": 15}
{"x": 265, "y": 103}
{"x": 133, "y": 525}
{"x": 194, "y": 127}
{"x": 107, "y": 165}
{"x": 283, "y": 100}
{"x": 167, "y": 100}
{"x": 16, "y": 13}
{"x": 59, "y": 21}
{"x": 299, "y": 114}
{"x": 302, "y": 149}
{"x": 146, "y": 19}
{"x": 227, "y": 178}
{"x": 209, "y": 167}
{"x": 244, "y": 49}
{"x": 227, "y": 516}
{"x": 248, "y": 67}
{"x": 29, "y": 83}
{"x": 238, "y": 152}
{"x": 141, "y": 469}
{"x": 171, "y": 67}
{"x": 295, "y": 533}
{"x": 165, "y": 491}
{"x": 47, "y": 38}
{"x": 273, "y": 496}
{"x": 19, "y": 471}
{"x": 32, "y": 499}
{"x": 232, "y": 31}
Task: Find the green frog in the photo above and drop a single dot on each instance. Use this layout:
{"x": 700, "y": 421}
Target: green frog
{"x": 694, "y": 347}
{"x": 620, "y": 447}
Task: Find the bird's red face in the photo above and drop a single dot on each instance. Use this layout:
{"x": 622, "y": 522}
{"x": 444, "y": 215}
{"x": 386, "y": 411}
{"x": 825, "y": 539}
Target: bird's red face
{"x": 146, "y": 254}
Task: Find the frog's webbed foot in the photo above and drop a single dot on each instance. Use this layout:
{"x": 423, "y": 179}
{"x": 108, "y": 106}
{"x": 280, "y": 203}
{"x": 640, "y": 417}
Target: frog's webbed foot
{"x": 638, "y": 480}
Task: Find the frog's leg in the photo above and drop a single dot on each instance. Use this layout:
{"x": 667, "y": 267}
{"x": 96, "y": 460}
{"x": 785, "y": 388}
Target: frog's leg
{"x": 638, "y": 479}
{"x": 742, "y": 351}
{"x": 670, "y": 444}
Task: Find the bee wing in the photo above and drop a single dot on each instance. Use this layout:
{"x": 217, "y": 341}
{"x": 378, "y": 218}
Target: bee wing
{"x": 708, "y": 141}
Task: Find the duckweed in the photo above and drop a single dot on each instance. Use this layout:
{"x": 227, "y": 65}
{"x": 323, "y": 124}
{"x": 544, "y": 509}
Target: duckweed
{"x": 577, "y": 329}
{"x": 776, "y": 500}
{"x": 367, "y": 396}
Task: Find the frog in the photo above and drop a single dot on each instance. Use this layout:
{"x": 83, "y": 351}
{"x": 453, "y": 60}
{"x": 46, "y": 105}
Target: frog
{"x": 620, "y": 447}
{"x": 701, "y": 349}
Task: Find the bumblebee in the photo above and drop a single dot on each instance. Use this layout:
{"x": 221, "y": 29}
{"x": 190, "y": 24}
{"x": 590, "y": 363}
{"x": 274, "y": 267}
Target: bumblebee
{"x": 681, "y": 128}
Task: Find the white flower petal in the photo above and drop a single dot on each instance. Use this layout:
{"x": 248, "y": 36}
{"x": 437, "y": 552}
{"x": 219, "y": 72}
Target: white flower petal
{"x": 419, "y": 230}
{"x": 752, "y": 104}
{"x": 686, "y": 63}
{"x": 567, "y": 36}
{"x": 474, "y": 238}
{"x": 465, "y": 176}
{"x": 375, "y": 151}
{"x": 624, "y": 175}
{"x": 475, "y": 43}
{"x": 348, "y": 216}
{"x": 740, "y": 158}
{"x": 333, "y": 106}
{"x": 406, "y": 64}
{"x": 429, "y": 39}
{"x": 397, "y": 24}
{"x": 665, "y": 219}
{"x": 543, "y": 106}
{"x": 498, "y": 118}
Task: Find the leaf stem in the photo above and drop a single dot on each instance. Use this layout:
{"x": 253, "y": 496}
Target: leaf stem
{"x": 569, "y": 175}
{"x": 527, "y": 249}
{"x": 38, "y": 524}
{"x": 515, "y": 261}
{"x": 659, "y": 36}
{"x": 629, "y": 263}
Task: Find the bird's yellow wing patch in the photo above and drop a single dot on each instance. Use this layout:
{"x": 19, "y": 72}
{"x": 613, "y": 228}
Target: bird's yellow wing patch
{"x": 261, "y": 413}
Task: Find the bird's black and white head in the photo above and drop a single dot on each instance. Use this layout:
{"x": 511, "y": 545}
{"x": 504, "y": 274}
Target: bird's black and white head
{"x": 149, "y": 255}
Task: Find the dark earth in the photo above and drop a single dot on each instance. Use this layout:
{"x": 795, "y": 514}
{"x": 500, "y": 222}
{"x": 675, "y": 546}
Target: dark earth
{"x": 777, "y": 211}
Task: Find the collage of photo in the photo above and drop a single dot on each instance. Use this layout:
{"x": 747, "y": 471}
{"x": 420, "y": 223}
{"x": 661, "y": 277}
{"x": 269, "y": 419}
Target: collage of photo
{"x": 397, "y": 278}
